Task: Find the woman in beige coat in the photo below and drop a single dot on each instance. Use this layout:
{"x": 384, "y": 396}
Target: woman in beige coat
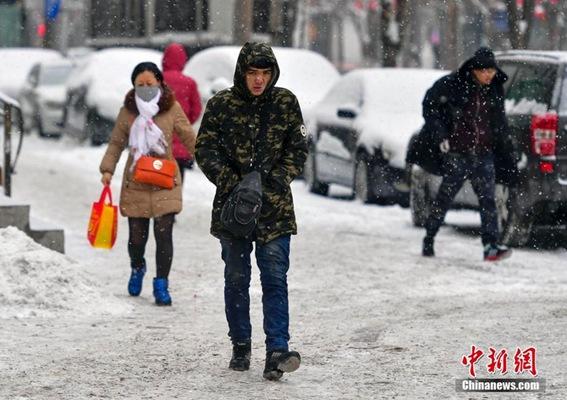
{"x": 145, "y": 125}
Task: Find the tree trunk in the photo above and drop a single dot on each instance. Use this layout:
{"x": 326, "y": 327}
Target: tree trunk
{"x": 393, "y": 24}
{"x": 371, "y": 49}
{"x": 243, "y": 20}
{"x": 554, "y": 26}
{"x": 283, "y": 31}
{"x": 450, "y": 45}
{"x": 520, "y": 25}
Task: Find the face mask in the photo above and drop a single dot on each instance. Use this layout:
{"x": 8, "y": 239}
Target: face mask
{"x": 146, "y": 93}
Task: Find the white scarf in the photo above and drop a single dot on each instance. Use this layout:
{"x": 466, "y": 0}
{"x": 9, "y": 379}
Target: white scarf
{"x": 145, "y": 136}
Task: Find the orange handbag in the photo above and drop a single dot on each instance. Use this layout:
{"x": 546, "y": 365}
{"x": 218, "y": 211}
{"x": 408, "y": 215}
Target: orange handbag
{"x": 155, "y": 171}
{"x": 103, "y": 223}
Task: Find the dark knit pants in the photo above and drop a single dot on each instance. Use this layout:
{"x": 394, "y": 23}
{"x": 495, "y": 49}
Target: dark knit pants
{"x": 163, "y": 234}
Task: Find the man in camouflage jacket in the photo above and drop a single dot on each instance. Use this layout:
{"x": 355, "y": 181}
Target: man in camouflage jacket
{"x": 227, "y": 149}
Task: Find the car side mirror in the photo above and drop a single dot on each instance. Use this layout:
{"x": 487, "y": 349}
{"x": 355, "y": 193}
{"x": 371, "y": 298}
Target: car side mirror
{"x": 347, "y": 112}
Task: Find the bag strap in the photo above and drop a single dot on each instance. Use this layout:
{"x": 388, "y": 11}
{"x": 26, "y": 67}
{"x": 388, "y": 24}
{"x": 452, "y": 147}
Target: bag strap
{"x": 106, "y": 192}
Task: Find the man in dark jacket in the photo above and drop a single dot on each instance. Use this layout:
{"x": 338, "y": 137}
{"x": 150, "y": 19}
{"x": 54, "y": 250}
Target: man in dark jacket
{"x": 255, "y": 126}
{"x": 464, "y": 114}
{"x": 186, "y": 93}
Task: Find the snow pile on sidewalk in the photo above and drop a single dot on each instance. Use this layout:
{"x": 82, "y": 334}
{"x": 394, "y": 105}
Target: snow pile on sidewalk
{"x": 36, "y": 281}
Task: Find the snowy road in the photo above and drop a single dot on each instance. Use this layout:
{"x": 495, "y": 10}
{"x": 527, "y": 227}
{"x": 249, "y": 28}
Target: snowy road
{"x": 371, "y": 318}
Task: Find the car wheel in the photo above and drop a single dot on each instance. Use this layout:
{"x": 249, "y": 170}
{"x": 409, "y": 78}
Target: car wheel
{"x": 38, "y": 126}
{"x": 95, "y": 128}
{"x": 362, "y": 187}
{"x": 420, "y": 201}
{"x": 310, "y": 175}
{"x": 515, "y": 226}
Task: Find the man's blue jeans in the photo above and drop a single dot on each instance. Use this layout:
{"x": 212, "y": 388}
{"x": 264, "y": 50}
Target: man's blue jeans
{"x": 480, "y": 171}
{"x": 273, "y": 261}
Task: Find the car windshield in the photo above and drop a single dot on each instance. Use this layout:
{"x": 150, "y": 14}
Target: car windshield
{"x": 54, "y": 75}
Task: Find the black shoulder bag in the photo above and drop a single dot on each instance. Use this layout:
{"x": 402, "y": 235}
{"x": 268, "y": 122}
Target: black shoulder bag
{"x": 240, "y": 213}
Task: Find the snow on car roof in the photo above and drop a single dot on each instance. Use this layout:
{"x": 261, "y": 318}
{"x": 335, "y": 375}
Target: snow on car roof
{"x": 391, "y": 112}
{"x": 550, "y": 56}
{"x": 64, "y": 62}
{"x": 16, "y": 64}
{"x": 397, "y": 90}
{"x": 106, "y": 73}
{"x": 306, "y": 73}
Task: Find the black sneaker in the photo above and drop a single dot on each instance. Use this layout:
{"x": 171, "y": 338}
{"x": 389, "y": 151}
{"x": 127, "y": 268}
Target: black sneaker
{"x": 240, "y": 360}
{"x": 427, "y": 249}
{"x": 278, "y": 362}
{"x": 495, "y": 252}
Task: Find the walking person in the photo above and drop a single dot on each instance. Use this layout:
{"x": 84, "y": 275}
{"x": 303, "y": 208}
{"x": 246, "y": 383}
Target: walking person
{"x": 145, "y": 124}
{"x": 186, "y": 93}
{"x": 254, "y": 129}
{"x": 464, "y": 113}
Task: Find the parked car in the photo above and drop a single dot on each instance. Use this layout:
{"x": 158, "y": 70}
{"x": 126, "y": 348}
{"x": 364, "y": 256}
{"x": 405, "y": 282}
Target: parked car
{"x": 17, "y": 63}
{"x": 43, "y": 96}
{"x": 536, "y": 107}
{"x": 360, "y": 130}
{"x": 96, "y": 90}
{"x": 307, "y": 74}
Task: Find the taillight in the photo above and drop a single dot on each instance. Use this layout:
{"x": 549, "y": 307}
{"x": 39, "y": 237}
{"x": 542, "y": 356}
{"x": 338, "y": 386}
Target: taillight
{"x": 543, "y": 131}
{"x": 546, "y": 167}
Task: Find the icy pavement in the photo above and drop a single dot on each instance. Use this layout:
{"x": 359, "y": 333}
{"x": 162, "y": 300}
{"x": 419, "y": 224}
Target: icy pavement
{"x": 371, "y": 317}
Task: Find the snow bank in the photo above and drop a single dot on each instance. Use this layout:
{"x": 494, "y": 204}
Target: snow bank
{"x": 37, "y": 281}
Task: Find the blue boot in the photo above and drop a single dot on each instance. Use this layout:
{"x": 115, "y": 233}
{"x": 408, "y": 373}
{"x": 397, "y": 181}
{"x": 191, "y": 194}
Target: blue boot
{"x": 161, "y": 293}
{"x": 136, "y": 280}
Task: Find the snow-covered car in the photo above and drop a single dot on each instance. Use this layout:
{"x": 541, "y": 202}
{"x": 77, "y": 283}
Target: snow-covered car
{"x": 16, "y": 64}
{"x": 96, "y": 90}
{"x": 359, "y": 132}
{"x": 43, "y": 96}
{"x": 307, "y": 74}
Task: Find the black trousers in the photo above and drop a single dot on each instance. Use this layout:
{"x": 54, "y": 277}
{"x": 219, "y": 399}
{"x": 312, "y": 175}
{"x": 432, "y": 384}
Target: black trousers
{"x": 480, "y": 171}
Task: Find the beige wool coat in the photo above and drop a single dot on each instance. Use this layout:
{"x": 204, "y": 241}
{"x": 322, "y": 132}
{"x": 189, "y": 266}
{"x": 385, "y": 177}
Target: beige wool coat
{"x": 140, "y": 200}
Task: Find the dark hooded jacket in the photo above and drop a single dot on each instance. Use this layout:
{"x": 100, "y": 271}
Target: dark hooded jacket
{"x": 226, "y": 145}
{"x": 185, "y": 89}
{"x": 449, "y": 112}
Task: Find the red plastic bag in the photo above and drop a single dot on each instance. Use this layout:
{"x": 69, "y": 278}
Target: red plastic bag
{"x": 103, "y": 224}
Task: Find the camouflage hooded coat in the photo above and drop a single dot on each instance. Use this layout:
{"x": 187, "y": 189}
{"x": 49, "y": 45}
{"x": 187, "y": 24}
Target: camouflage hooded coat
{"x": 226, "y": 145}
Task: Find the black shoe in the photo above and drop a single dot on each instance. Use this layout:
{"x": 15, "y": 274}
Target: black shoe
{"x": 427, "y": 250}
{"x": 495, "y": 252}
{"x": 278, "y": 362}
{"x": 240, "y": 360}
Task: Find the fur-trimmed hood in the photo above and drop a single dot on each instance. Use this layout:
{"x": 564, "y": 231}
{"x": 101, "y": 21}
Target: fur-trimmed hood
{"x": 165, "y": 102}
